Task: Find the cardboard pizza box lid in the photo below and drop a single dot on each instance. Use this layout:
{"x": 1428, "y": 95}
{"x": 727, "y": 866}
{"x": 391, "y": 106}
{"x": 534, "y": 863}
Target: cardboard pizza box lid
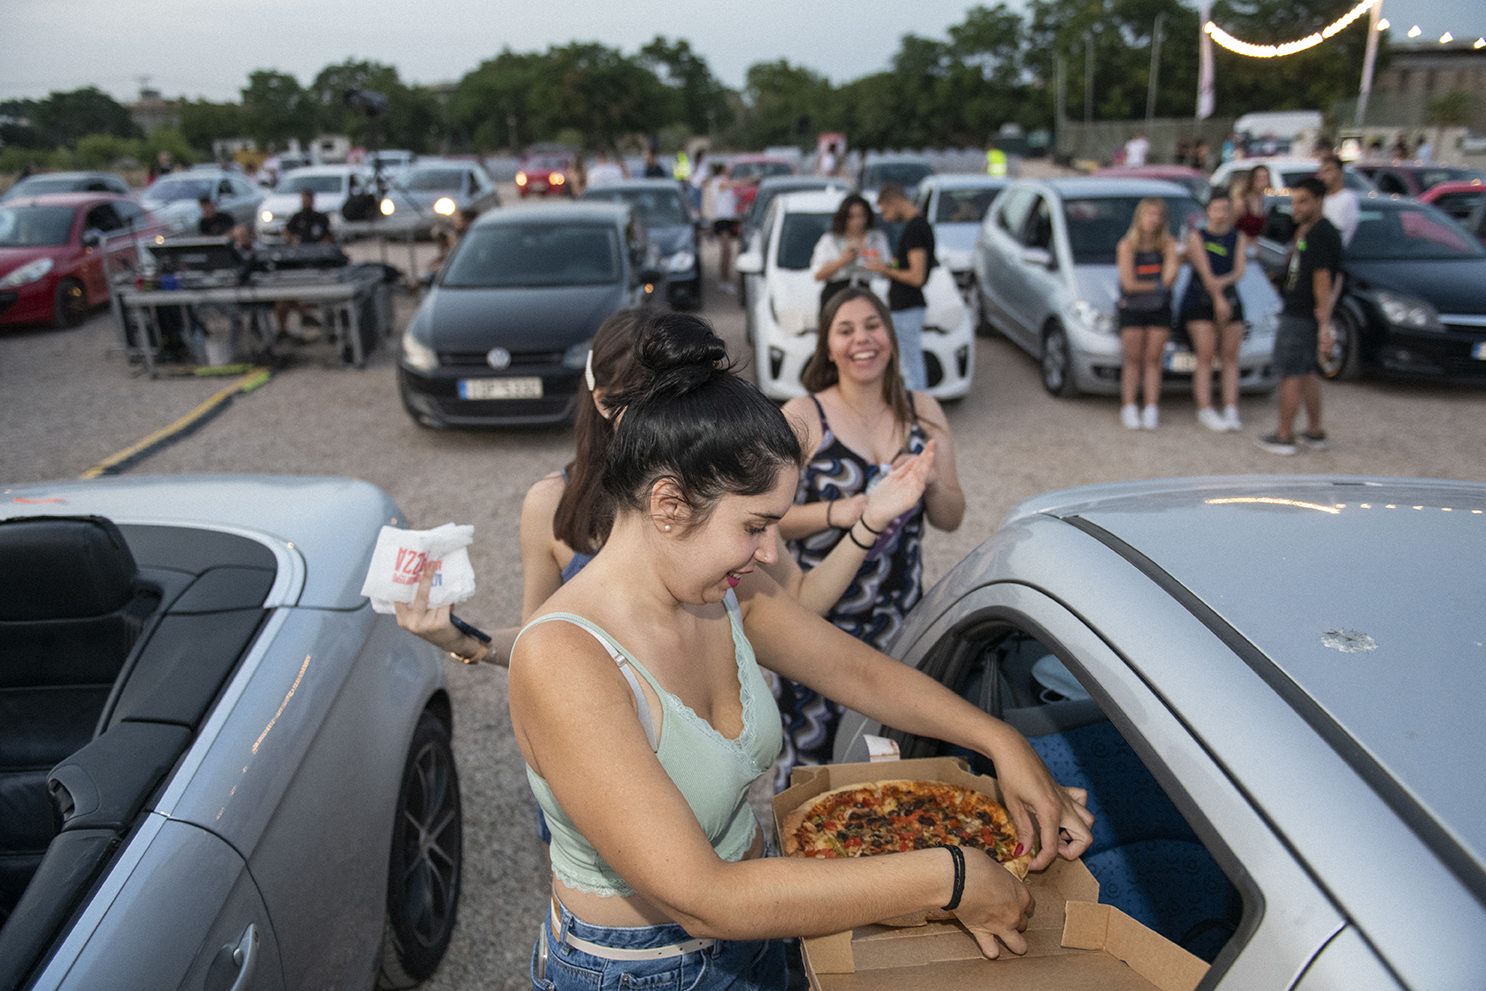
{"x": 1072, "y": 941}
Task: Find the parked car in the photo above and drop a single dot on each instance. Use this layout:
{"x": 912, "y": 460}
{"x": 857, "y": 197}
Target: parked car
{"x": 53, "y": 251}
{"x": 784, "y": 303}
{"x": 176, "y": 198}
{"x": 1287, "y": 172}
{"x": 747, "y": 171}
{"x": 1414, "y": 178}
{"x": 545, "y": 174}
{"x": 221, "y": 768}
{"x": 1415, "y": 296}
{"x": 434, "y": 190}
{"x": 392, "y": 161}
{"x": 1263, "y": 683}
{"x": 330, "y": 184}
{"x": 669, "y": 226}
{"x": 905, "y": 170}
{"x": 955, "y": 205}
{"x": 1465, "y": 202}
{"x": 68, "y": 182}
{"x": 753, "y": 217}
{"x": 1045, "y": 268}
{"x": 1183, "y": 175}
{"x": 503, "y": 335}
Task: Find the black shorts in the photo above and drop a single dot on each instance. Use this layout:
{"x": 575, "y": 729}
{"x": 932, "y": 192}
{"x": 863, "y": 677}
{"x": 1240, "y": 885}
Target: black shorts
{"x": 728, "y": 227}
{"x": 1295, "y": 346}
{"x": 1202, "y": 308}
{"x": 1144, "y": 318}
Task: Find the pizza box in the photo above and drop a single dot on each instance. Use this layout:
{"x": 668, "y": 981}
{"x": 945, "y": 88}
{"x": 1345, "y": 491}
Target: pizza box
{"x": 1073, "y": 942}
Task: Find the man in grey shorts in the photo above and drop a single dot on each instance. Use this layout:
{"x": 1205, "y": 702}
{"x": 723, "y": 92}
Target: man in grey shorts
{"x": 1305, "y": 324}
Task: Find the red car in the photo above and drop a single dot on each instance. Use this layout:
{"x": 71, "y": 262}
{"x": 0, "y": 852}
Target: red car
{"x": 1464, "y": 201}
{"x": 52, "y": 248}
{"x": 749, "y": 171}
{"x": 545, "y": 175}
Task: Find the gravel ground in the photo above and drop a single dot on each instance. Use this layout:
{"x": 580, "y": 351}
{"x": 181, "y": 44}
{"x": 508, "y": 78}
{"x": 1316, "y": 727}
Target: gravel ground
{"x": 67, "y": 402}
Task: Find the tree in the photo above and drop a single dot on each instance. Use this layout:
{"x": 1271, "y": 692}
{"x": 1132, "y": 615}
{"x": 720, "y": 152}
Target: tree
{"x": 203, "y": 122}
{"x": 703, "y": 103}
{"x": 780, "y": 97}
{"x": 413, "y": 119}
{"x": 275, "y": 108}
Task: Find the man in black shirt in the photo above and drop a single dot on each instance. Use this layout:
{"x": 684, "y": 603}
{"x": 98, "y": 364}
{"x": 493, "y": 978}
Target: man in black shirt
{"x": 308, "y": 226}
{"x": 1305, "y": 324}
{"x": 906, "y": 277}
{"x": 213, "y": 222}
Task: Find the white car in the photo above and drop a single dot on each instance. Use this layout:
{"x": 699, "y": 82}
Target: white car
{"x": 1286, "y": 172}
{"x": 955, "y": 205}
{"x": 331, "y": 184}
{"x": 784, "y": 303}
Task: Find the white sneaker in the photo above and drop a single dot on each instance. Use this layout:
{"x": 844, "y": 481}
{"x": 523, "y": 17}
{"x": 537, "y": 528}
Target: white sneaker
{"x": 1149, "y": 417}
{"x": 1130, "y": 416}
{"x": 1209, "y": 418}
{"x": 1230, "y": 419}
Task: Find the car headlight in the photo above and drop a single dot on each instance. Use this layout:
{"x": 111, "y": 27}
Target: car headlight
{"x": 576, "y": 357}
{"x": 417, "y": 354}
{"x": 681, "y": 261}
{"x": 521, "y": 178}
{"x": 1406, "y": 311}
{"x": 388, "y": 207}
{"x": 444, "y": 206}
{"x": 1092, "y": 317}
{"x": 266, "y": 216}
{"x": 29, "y": 272}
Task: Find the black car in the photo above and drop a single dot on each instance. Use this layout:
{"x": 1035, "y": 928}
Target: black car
{"x": 1411, "y": 179}
{"x": 671, "y": 229}
{"x": 69, "y": 182}
{"x": 503, "y": 335}
{"x": 1415, "y": 299}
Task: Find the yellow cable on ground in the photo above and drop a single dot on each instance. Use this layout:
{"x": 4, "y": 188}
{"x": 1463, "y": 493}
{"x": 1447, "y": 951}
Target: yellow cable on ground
{"x": 115, "y": 463}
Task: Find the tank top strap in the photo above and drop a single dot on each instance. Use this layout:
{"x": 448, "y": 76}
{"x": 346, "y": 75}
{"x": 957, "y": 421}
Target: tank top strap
{"x": 627, "y": 666}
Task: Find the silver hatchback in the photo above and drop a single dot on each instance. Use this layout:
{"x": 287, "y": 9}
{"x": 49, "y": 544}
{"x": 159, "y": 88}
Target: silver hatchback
{"x": 1046, "y": 273}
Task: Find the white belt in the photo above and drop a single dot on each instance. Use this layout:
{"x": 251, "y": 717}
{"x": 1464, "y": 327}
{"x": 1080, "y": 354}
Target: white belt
{"x": 615, "y": 953}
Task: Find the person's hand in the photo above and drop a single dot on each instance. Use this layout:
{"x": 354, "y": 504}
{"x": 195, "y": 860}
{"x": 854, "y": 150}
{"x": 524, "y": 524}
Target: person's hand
{"x": 900, "y": 489}
{"x": 847, "y": 257}
{"x": 876, "y": 265}
{"x": 1222, "y": 310}
{"x": 432, "y": 625}
{"x": 995, "y": 905}
{"x": 845, "y": 512}
{"x": 1029, "y": 792}
{"x": 1324, "y": 338}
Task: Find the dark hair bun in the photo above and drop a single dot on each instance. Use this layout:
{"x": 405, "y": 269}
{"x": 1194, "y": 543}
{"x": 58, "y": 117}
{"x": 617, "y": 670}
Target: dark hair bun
{"x": 680, "y": 354}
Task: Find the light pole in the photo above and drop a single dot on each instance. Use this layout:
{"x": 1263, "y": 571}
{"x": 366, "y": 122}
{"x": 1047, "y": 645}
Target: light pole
{"x": 1088, "y": 77}
{"x": 1150, "y": 99}
{"x": 1368, "y": 61}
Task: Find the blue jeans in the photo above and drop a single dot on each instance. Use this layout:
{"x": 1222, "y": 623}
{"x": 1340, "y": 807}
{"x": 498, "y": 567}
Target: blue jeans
{"x": 727, "y": 965}
{"x": 909, "y": 326}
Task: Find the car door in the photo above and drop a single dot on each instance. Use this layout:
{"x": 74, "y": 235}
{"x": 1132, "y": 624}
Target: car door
{"x": 1041, "y": 269}
{"x": 998, "y": 270}
{"x": 105, "y": 221}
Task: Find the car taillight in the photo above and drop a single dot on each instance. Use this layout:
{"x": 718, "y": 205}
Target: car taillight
{"x": 558, "y": 179}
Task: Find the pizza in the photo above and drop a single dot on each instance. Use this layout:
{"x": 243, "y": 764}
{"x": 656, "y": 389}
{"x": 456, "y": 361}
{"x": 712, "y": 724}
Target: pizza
{"x": 897, "y": 816}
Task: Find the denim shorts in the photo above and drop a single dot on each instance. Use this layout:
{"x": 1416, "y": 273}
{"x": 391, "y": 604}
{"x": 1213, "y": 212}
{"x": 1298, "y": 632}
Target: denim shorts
{"x": 1295, "y": 346}
{"x": 727, "y": 965}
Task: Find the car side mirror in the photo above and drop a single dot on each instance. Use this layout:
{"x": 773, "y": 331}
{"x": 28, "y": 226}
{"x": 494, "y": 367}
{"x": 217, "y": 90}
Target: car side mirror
{"x": 1039, "y": 256}
{"x": 750, "y": 263}
{"x": 92, "y": 238}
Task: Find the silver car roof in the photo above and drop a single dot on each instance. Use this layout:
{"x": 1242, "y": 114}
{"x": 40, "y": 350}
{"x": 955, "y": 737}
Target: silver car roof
{"x": 599, "y": 211}
{"x": 1106, "y": 186}
{"x": 1363, "y": 601}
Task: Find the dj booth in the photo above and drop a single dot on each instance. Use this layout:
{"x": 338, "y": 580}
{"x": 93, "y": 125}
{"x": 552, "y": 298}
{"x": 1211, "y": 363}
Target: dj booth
{"x": 207, "y": 292}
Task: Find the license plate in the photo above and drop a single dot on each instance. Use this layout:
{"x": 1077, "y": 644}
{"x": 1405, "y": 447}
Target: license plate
{"x": 513, "y": 388}
{"x": 538, "y": 187}
{"x": 1181, "y": 361}
{"x": 1478, "y": 350}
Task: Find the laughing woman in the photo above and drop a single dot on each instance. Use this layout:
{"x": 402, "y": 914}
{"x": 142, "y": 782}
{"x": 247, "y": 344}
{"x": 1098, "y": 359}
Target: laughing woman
{"x": 639, "y": 708}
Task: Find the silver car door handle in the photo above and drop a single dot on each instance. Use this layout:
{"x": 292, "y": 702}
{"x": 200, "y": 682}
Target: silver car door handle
{"x": 243, "y": 958}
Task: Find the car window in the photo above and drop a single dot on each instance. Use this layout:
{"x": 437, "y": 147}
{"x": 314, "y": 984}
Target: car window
{"x": 962, "y": 206}
{"x": 535, "y": 254}
{"x": 129, "y": 211}
{"x": 298, "y": 183}
{"x": 1429, "y": 178}
{"x": 35, "y": 226}
{"x": 798, "y": 238}
{"x": 1096, "y": 224}
{"x": 1388, "y": 182}
{"x": 240, "y": 187}
{"x": 1038, "y": 231}
{"x": 905, "y": 174}
{"x": 102, "y": 218}
{"x": 435, "y": 180}
{"x": 224, "y": 188}
{"x": 169, "y": 190}
{"x": 658, "y": 207}
{"x": 1012, "y": 214}
{"x": 1458, "y": 205}
{"x": 1412, "y": 232}
{"x": 751, "y": 171}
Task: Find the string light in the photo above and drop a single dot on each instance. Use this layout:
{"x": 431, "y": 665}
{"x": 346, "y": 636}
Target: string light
{"x": 1384, "y": 24}
{"x": 1415, "y": 31}
{"x": 1446, "y": 38}
{"x": 1480, "y": 43}
{"x": 1290, "y": 47}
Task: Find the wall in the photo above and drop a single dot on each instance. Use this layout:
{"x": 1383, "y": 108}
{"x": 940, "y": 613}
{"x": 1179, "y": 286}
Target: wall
{"x": 1099, "y": 141}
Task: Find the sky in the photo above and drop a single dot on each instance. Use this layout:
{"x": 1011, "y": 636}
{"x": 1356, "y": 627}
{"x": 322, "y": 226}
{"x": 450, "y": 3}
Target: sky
{"x": 206, "y": 48}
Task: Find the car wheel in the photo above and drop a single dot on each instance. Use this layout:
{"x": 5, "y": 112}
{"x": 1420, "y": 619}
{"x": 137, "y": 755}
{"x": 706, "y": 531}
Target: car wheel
{"x": 1057, "y": 363}
{"x": 423, "y": 871}
{"x": 1344, "y": 361}
{"x": 70, "y": 304}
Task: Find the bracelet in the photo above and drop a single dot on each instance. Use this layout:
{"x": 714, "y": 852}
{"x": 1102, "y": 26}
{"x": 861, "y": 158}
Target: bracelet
{"x": 828, "y": 513}
{"x": 852, "y": 533}
{"x": 959, "y": 892}
{"x": 481, "y": 652}
{"x": 863, "y": 521}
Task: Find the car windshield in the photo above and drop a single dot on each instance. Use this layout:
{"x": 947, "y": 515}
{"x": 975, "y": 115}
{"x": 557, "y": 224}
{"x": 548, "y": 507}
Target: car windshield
{"x": 1409, "y": 233}
{"x": 963, "y": 206}
{"x": 1355, "y": 181}
{"x": 35, "y": 226}
{"x": 905, "y": 174}
{"x": 170, "y": 190}
{"x": 435, "y": 180}
{"x": 798, "y": 237}
{"x": 313, "y": 183}
{"x": 659, "y": 207}
{"x": 45, "y": 184}
{"x": 511, "y": 255}
{"x": 1095, "y": 226}
{"x": 1429, "y": 178}
{"x": 749, "y": 171}
{"x": 547, "y": 162}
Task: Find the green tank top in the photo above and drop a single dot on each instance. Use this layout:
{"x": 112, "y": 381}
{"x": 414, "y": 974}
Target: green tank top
{"x": 711, "y": 772}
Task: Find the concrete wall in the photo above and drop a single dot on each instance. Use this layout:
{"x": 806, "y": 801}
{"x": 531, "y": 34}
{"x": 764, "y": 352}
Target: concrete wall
{"x": 1101, "y": 139}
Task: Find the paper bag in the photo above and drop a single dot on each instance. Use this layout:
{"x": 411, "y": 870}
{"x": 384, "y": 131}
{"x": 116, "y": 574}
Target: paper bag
{"x": 398, "y": 561}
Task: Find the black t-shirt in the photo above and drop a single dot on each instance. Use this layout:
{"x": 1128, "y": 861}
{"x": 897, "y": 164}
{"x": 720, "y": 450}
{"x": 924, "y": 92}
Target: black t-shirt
{"x": 916, "y": 234}
{"x": 1320, "y": 248}
{"x": 216, "y": 225}
{"x": 309, "y": 226}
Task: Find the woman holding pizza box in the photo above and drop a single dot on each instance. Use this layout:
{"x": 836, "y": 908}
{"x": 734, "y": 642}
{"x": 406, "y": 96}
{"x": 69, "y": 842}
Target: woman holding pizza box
{"x": 640, "y": 710}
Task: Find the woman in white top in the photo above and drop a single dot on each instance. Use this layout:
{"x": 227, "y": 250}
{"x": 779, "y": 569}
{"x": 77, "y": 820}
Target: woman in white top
{"x": 841, "y": 254}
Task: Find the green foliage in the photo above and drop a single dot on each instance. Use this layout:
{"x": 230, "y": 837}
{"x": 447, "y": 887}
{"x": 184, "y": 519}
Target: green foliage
{"x": 203, "y": 122}
{"x": 414, "y": 119}
{"x": 170, "y": 139}
{"x": 1451, "y": 110}
{"x": 276, "y": 108}
{"x": 61, "y": 118}
{"x": 700, "y": 102}
{"x": 101, "y": 151}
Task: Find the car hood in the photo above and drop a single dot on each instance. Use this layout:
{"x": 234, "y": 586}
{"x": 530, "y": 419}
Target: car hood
{"x": 287, "y": 204}
{"x": 1099, "y": 285}
{"x": 1456, "y": 285}
{"x": 955, "y": 242}
{"x": 670, "y": 240}
{"x": 330, "y": 523}
{"x": 13, "y": 258}
{"x": 547, "y": 318}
